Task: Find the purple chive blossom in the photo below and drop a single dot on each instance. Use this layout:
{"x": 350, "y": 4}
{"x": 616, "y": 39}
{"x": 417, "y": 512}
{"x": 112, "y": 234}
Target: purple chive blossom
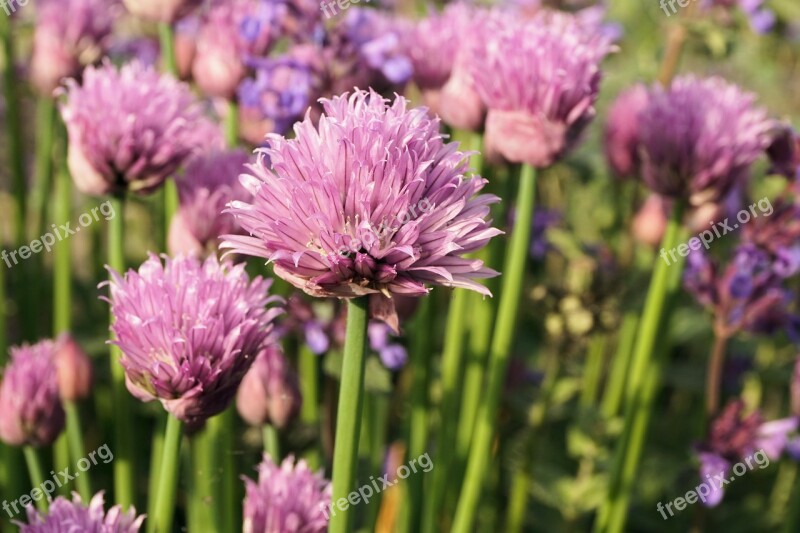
{"x": 370, "y": 201}
{"x": 734, "y": 436}
{"x": 393, "y": 355}
{"x": 699, "y": 138}
{"x": 62, "y": 45}
{"x": 435, "y": 41}
{"x": 289, "y": 498}
{"x": 540, "y": 79}
{"x": 621, "y": 135}
{"x": 231, "y": 33}
{"x": 161, "y": 10}
{"x": 73, "y": 516}
{"x": 303, "y": 320}
{"x": 31, "y": 413}
{"x": 748, "y": 294}
{"x": 270, "y": 391}
{"x": 130, "y": 129}
{"x": 205, "y": 188}
{"x": 279, "y": 93}
{"x": 189, "y": 331}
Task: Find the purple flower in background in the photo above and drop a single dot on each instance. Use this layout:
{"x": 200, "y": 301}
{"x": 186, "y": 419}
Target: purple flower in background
{"x": 621, "y": 134}
{"x": 784, "y": 153}
{"x": 144, "y": 50}
{"x": 699, "y": 138}
{"x": 231, "y": 33}
{"x": 761, "y": 19}
{"x": 270, "y": 391}
{"x": 161, "y": 10}
{"x": 288, "y": 498}
{"x": 370, "y": 201}
{"x": 540, "y": 79}
{"x": 189, "y": 331}
{"x": 31, "y": 413}
{"x": 543, "y": 219}
{"x": 67, "y": 516}
{"x": 393, "y": 355}
{"x": 306, "y": 321}
{"x": 734, "y": 437}
{"x": 130, "y": 129}
{"x": 748, "y": 294}
{"x": 205, "y": 188}
{"x": 279, "y": 93}
{"x": 62, "y": 45}
{"x": 777, "y": 232}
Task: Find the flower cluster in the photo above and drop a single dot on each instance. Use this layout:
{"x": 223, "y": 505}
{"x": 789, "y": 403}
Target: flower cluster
{"x": 73, "y": 516}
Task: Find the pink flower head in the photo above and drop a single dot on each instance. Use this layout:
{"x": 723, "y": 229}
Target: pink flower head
{"x": 161, "y": 10}
{"x": 289, "y": 498}
{"x": 30, "y": 407}
{"x": 621, "y": 134}
{"x": 270, "y": 392}
{"x": 189, "y": 331}
{"x": 370, "y": 201}
{"x": 207, "y": 185}
{"x": 699, "y": 138}
{"x": 73, "y": 517}
{"x": 130, "y": 129}
{"x": 540, "y": 79}
{"x": 63, "y": 44}
{"x": 435, "y": 41}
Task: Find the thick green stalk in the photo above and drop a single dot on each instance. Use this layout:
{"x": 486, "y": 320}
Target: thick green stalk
{"x": 201, "y": 513}
{"x": 615, "y": 388}
{"x": 76, "y": 449}
{"x": 156, "y": 453}
{"x": 272, "y": 443}
{"x": 643, "y": 380}
{"x": 348, "y": 419}
{"x": 35, "y": 473}
{"x": 222, "y": 435}
{"x": 502, "y": 343}
{"x": 161, "y": 522}
{"x": 232, "y": 124}
{"x": 124, "y": 492}
{"x": 419, "y": 368}
{"x": 308, "y": 366}
{"x": 452, "y": 365}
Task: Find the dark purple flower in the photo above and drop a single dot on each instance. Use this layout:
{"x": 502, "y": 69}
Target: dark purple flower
{"x": 699, "y": 138}
{"x": 209, "y": 183}
{"x": 31, "y": 413}
{"x": 289, "y": 498}
{"x": 130, "y": 129}
{"x": 784, "y": 153}
{"x": 370, "y": 201}
{"x": 189, "y": 331}
{"x": 270, "y": 391}
{"x": 67, "y": 516}
{"x": 540, "y": 79}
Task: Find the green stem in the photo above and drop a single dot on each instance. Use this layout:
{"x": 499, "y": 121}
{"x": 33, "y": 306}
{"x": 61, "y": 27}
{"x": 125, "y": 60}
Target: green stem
{"x": 156, "y": 453}
{"x": 62, "y": 264}
{"x": 419, "y": 368}
{"x": 232, "y": 124}
{"x": 308, "y": 366}
{"x": 714, "y": 373}
{"x": 615, "y": 389}
{"x": 168, "y": 480}
{"x": 45, "y": 130}
{"x": 35, "y": 473}
{"x": 348, "y": 419}
{"x": 15, "y": 138}
{"x": 272, "y": 443}
{"x": 513, "y": 277}
{"x": 222, "y": 435}
{"x": 76, "y": 448}
{"x": 123, "y": 462}
{"x": 643, "y": 380}
{"x": 594, "y": 370}
{"x": 452, "y": 365}
{"x": 201, "y": 502}
{"x": 167, "y": 41}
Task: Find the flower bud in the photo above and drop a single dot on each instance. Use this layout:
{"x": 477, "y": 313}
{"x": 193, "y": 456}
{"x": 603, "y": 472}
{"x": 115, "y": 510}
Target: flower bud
{"x": 73, "y": 368}
{"x": 270, "y": 392}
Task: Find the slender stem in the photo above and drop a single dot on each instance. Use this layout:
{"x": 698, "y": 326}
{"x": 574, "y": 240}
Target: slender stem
{"x": 272, "y": 443}
{"x": 168, "y": 479}
{"x": 167, "y": 41}
{"x": 452, "y": 365}
{"x": 35, "y": 473}
{"x": 232, "y": 124}
{"x": 76, "y": 448}
{"x": 643, "y": 380}
{"x": 348, "y": 419}
{"x": 418, "y": 419}
{"x": 222, "y": 432}
{"x": 513, "y": 277}
{"x": 201, "y": 509}
{"x": 124, "y": 493}
{"x": 62, "y": 259}
{"x": 714, "y": 373}
{"x": 45, "y": 130}
{"x": 308, "y": 366}
{"x": 593, "y": 370}
{"x": 156, "y": 453}
{"x": 615, "y": 389}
